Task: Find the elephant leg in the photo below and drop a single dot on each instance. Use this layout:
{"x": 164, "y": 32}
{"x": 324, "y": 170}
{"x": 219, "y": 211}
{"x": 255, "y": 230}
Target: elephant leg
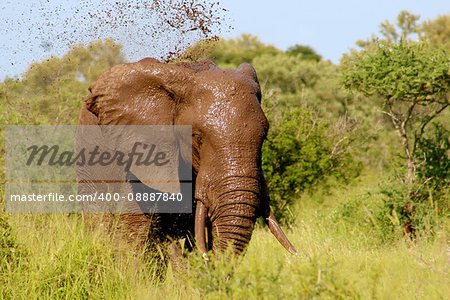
{"x": 134, "y": 227}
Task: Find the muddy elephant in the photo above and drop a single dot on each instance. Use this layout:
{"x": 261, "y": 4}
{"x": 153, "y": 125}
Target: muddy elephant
{"x": 228, "y": 129}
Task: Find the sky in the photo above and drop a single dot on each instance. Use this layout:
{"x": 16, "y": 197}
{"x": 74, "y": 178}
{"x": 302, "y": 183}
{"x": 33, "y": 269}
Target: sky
{"x": 31, "y": 29}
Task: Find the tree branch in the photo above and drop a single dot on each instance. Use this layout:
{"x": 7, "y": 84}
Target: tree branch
{"x": 401, "y": 132}
{"x": 408, "y": 114}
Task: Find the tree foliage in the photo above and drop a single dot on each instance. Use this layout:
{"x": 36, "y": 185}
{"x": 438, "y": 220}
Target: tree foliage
{"x": 413, "y": 80}
{"x": 286, "y": 73}
{"x": 412, "y": 72}
{"x": 436, "y": 32}
{"x": 51, "y": 91}
{"x": 433, "y": 155}
{"x": 306, "y": 52}
{"x": 231, "y": 52}
{"x": 304, "y": 151}
{"x": 405, "y": 28}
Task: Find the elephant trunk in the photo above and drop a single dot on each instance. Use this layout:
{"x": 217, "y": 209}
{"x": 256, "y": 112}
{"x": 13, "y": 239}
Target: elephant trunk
{"x": 232, "y": 212}
{"x": 233, "y": 223}
{"x": 231, "y": 231}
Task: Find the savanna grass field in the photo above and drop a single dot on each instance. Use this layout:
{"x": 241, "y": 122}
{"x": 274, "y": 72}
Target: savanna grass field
{"x": 357, "y": 162}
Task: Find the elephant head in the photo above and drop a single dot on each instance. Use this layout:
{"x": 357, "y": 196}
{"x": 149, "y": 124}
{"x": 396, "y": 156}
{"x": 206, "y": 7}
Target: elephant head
{"x": 228, "y": 129}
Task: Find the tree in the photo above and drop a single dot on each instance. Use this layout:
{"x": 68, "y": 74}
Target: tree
{"x": 286, "y": 73}
{"x": 404, "y": 29}
{"x": 437, "y": 31}
{"x": 306, "y": 52}
{"x": 413, "y": 80}
{"x": 83, "y": 63}
{"x": 230, "y": 53}
{"x": 51, "y": 91}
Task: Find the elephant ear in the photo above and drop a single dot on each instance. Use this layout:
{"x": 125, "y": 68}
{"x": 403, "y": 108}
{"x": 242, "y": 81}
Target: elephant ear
{"x": 248, "y": 70}
{"x": 151, "y": 154}
{"x": 131, "y": 96}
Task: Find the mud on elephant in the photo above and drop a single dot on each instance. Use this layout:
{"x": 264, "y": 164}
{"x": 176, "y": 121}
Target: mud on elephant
{"x": 228, "y": 129}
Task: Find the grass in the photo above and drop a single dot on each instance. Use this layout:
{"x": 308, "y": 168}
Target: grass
{"x": 56, "y": 257}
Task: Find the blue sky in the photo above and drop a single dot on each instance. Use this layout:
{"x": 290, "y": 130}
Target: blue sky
{"x": 330, "y": 27}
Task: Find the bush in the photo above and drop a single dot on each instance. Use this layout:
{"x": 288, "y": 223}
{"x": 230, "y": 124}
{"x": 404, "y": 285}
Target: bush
{"x": 418, "y": 208}
{"x": 411, "y": 210}
{"x": 433, "y": 156}
{"x": 303, "y": 151}
{"x": 392, "y": 211}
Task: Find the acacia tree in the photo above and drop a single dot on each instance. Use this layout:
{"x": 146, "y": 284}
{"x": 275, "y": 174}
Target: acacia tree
{"x": 413, "y": 80}
{"x": 436, "y": 31}
{"x": 405, "y": 28}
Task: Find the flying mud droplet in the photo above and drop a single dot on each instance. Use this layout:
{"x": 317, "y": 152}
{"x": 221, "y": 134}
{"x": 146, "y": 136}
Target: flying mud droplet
{"x": 181, "y": 18}
{"x": 163, "y": 29}
{"x": 46, "y": 45}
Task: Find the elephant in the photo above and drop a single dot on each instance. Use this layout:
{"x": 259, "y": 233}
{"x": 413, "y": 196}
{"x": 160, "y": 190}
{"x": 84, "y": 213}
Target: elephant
{"x": 223, "y": 107}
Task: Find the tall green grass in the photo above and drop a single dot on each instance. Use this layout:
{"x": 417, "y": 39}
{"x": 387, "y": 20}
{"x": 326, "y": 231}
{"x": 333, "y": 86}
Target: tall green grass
{"x": 341, "y": 257}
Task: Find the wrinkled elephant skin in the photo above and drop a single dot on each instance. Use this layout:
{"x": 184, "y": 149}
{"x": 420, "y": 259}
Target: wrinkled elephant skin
{"x": 228, "y": 129}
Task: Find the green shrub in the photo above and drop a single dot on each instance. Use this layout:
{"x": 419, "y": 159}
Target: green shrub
{"x": 418, "y": 208}
{"x": 410, "y": 210}
{"x": 392, "y": 211}
{"x": 301, "y": 152}
{"x": 433, "y": 156}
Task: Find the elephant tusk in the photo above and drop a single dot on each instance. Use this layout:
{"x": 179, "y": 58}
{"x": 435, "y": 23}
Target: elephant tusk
{"x": 200, "y": 224}
{"x": 276, "y": 230}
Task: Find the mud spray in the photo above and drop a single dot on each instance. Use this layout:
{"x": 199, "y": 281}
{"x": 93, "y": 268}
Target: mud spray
{"x": 163, "y": 29}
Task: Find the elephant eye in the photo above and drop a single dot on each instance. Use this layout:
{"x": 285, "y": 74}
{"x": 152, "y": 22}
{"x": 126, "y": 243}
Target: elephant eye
{"x": 198, "y": 137}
